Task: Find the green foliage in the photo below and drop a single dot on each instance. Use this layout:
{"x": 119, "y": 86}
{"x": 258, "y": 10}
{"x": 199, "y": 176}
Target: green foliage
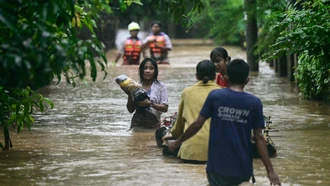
{"x": 39, "y": 42}
{"x": 16, "y": 108}
{"x": 307, "y": 29}
{"x": 222, "y": 21}
{"x": 161, "y": 10}
{"x": 273, "y": 13}
{"x": 313, "y": 76}
{"x": 307, "y": 33}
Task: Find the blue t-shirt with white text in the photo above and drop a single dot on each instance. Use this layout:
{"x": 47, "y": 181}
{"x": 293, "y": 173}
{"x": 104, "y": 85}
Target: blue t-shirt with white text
{"x": 234, "y": 114}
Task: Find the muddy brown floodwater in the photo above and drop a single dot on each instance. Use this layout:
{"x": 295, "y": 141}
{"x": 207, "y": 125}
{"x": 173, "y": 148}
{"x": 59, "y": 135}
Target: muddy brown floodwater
{"x": 85, "y": 140}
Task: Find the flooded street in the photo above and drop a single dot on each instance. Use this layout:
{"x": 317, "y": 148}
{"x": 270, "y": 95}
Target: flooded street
{"x": 85, "y": 139}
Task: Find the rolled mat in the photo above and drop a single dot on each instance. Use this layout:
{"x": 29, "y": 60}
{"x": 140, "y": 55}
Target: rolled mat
{"x": 134, "y": 88}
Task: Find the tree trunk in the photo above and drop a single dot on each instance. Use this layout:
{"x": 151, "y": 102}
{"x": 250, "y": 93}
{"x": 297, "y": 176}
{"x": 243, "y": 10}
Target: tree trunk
{"x": 251, "y": 34}
{"x": 7, "y": 138}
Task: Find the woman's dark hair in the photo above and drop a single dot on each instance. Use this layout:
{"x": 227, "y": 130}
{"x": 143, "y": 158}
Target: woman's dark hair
{"x": 217, "y": 53}
{"x": 238, "y": 71}
{"x": 205, "y": 70}
{"x": 141, "y": 69}
{"x": 156, "y": 22}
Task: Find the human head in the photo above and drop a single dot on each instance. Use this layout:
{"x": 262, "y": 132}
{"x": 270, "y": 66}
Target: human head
{"x": 238, "y": 72}
{"x": 142, "y": 69}
{"x": 220, "y": 57}
{"x": 155, "y": 27}
{"x": 134, "y": 28}
{"x": 205, "y": 71}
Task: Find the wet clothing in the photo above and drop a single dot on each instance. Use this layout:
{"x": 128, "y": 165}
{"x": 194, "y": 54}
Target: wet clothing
{"x": 192, "y": 100}
{"x": 234, "y": 115}
{"x": 162, "y": 39}
{"x": 219, "y": 180}
{"x": 147, "y": 116}
{"x": 143, "y": 118}
{"x": 131, "y": 51}
{"x": 222, "y": 81}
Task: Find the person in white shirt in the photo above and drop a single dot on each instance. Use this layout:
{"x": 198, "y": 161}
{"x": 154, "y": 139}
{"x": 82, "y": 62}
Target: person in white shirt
{"x": 158, "y": 43}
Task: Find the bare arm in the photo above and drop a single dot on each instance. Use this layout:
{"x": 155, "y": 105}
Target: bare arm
{"x": 146, "y": 43}
{"x": 121, "y": 51}
{"x": 163, "y": 48}
{"x": 147, "y": 103}
{"x": 144, "y": 54}
{"x": 191, "y": 131}
{"x": 117, "y": 57}
{"x": 262, "y": 149}
{"x": 144, "y": 46}
{"x": 160, "y": 107}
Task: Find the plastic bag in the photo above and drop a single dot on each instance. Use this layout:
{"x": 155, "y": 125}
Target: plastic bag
{"x": 134, "y": 88}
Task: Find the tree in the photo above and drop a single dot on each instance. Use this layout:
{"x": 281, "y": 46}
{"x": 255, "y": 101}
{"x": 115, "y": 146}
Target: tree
{"x": 267, "y": 32}
{"x": 251, "y": 34}
{"x": 167, "y": 12}
{"x": 231, "y": 21}
{"x": 39, "y": 43}
{"x": 222, "y": 21}
{"x": 306, "y": 32}
{"x": 259, "y": 32}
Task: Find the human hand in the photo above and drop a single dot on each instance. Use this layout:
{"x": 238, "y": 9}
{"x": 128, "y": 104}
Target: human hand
{"x": 173, "y": 145}
{"x": 144, "y": 103}
{"x": 168, "y": 135}
{"x": 151, "y": 41}
{"x": 273, "y": 178}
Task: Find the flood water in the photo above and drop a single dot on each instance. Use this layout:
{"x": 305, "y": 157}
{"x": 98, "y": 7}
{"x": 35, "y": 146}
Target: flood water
{"x": 85, "y": 140}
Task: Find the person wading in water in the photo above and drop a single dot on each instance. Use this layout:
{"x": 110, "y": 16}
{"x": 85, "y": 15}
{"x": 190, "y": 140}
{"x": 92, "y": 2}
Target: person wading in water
{"x": 219, "y": 56}
{"x": 234, "y": 113}
{"x": 159, "y": 44}
{"x": 147, "y": 113}
{"x": 131, "y": 48}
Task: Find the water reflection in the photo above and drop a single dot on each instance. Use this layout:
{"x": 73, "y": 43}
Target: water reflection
{"x": 85, "y": 139}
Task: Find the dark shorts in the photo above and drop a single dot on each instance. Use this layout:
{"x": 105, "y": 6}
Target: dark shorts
{"x": 194, "y": 161}
{"x": 219, "y": 180}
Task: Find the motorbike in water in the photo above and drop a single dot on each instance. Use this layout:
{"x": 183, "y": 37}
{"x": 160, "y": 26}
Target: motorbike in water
{"x": 165, "y": 126}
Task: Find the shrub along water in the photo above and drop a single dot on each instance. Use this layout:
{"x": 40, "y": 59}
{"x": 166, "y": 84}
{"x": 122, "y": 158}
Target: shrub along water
{"x": 307, "y": 33}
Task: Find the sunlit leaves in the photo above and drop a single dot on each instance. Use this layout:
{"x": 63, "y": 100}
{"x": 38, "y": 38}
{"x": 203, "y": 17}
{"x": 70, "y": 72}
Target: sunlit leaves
{"x": 123, "y": 4}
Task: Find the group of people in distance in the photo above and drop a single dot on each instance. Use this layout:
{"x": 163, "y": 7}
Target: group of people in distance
{"x": 158, "y": 43}
{"x": 214, "y": 119}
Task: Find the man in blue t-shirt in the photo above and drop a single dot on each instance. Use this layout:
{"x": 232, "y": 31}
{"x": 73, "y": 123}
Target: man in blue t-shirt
{"x": 234, "y": 114}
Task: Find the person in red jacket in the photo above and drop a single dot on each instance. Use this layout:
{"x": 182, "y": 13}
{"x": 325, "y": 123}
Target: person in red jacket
{"x": 132, "y": 47}
{"x": 219, "y": 56}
